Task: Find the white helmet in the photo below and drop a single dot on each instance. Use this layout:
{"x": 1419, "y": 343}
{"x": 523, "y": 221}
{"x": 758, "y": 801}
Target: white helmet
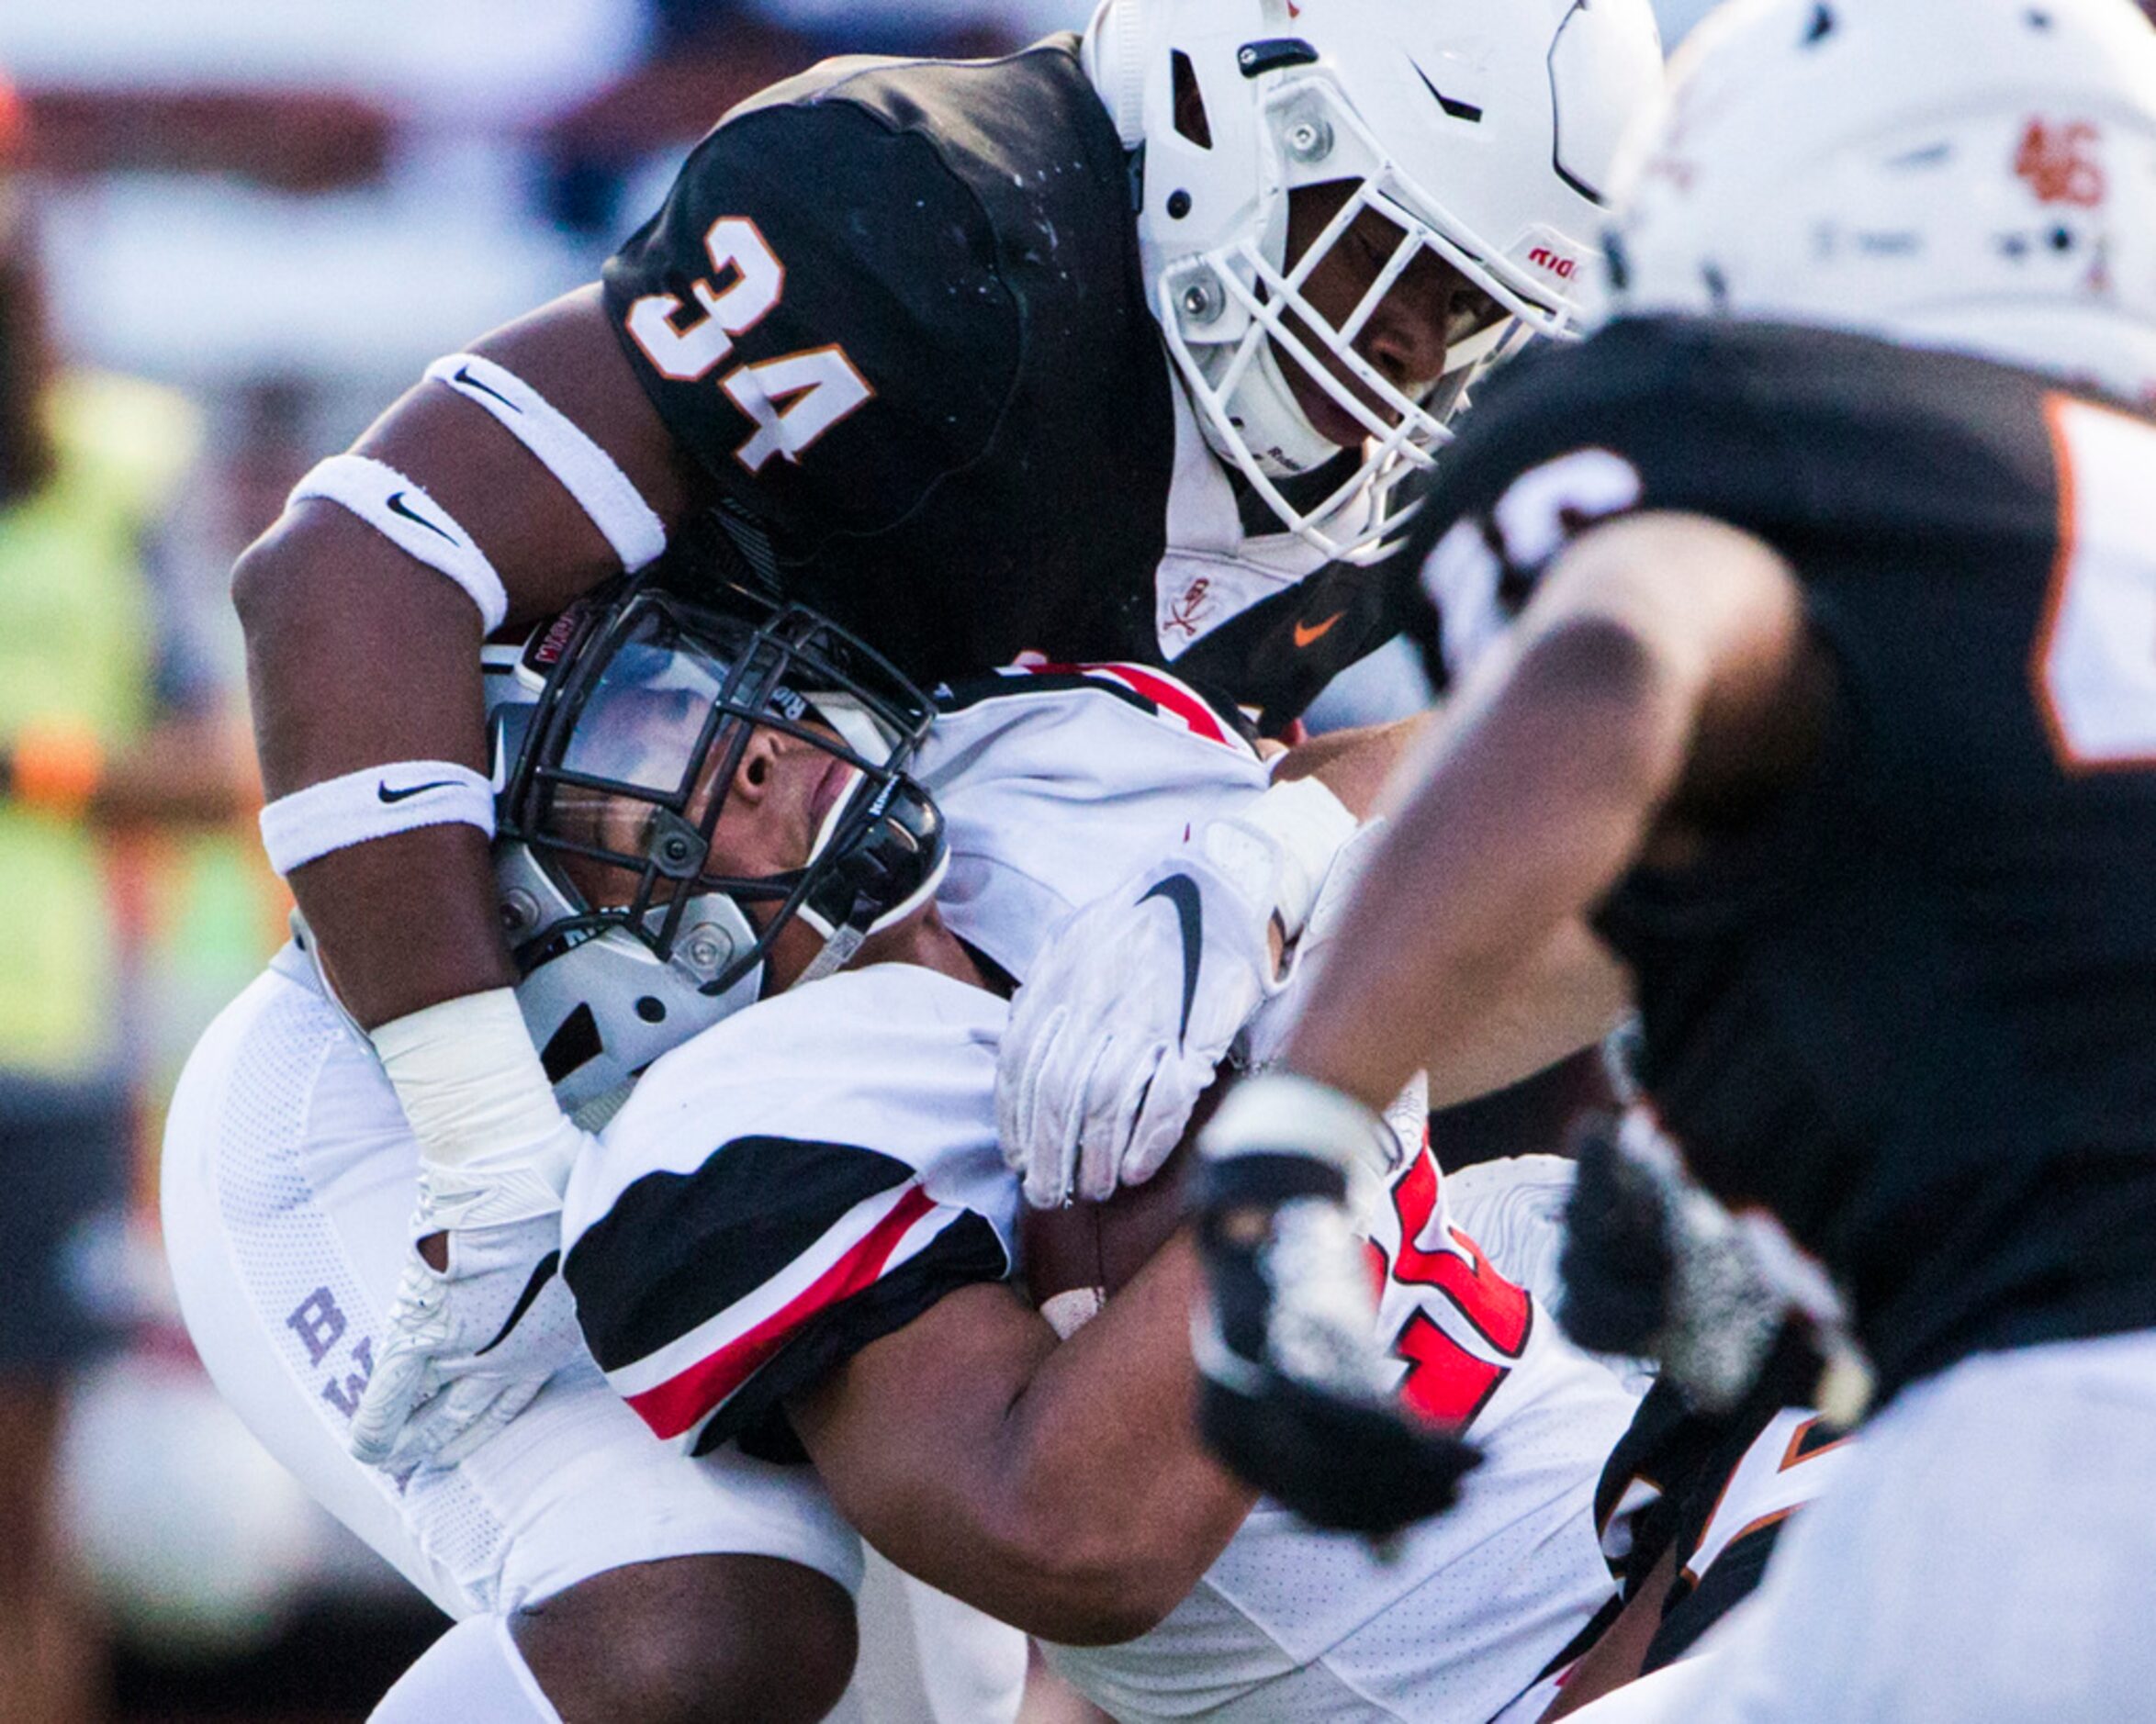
{"x": 615, "y": 731}
{"x": 1483, "y": 129}
{"x": 1979, "y": 175}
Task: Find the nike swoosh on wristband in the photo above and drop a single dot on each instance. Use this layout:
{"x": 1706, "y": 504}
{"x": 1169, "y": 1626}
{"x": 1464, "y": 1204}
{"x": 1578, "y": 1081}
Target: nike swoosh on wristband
{"x": 1305, "y": 632}
{"x": 397, "y": 506}
{"x": 541, "y": 1272}
{"x": 409, "y": 790}
{"x": 1181, "y": 892}
{"x": 463, "y": 375}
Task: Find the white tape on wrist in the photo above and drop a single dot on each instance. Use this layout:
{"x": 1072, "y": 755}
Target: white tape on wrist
{"x": 585, "y": 470}
{"x": 1281, "y": 1112}
{"x": 414, "y": 522}
{"x": 374, "y": 802}
{"x": 1305, "y": 824}
{"x": 472, "y": 1085}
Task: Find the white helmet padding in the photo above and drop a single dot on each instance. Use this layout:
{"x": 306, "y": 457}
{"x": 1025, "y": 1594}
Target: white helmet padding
{"x": 616, "y": 731}
{"x": 1482, "y": 129}
{"x": 1981, "y": 179}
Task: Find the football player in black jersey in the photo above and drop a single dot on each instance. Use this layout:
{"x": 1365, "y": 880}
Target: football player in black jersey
{"x": 1834, "y": 713}
{"x": 896, "y": 340}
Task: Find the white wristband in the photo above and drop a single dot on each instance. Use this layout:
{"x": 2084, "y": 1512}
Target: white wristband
{"x": 414, "y": 522}
{"x": 1305, "y": 825}
{"x": 584, "y": 470}
{"x": 1282, "y": 1112}
{"x": 374, "y": 802}
{"x": 470, "y": 1081}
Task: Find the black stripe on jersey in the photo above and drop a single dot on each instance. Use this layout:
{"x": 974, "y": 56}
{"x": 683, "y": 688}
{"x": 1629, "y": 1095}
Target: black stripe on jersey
{"x": 971, "y": 691}
{"x": 1734, "y": 1578}
{"x": 966, "y": 1253}
{"x": 676, "y": 1249}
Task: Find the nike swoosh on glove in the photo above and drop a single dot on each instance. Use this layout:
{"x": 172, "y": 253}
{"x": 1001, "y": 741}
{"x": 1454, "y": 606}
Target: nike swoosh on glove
{"x": 1296, "y": 1396}
{"x": 1122, "y": 1024}
{"x": 471, "y": 1344}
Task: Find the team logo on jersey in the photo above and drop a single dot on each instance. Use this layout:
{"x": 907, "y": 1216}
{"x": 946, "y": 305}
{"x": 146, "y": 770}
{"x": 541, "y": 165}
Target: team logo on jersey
{"x": 2059, "y": 162}
{"x": 1188, "y": 612}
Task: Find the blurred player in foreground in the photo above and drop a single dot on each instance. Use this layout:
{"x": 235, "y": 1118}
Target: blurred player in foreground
{"x": 1835, "y": 711}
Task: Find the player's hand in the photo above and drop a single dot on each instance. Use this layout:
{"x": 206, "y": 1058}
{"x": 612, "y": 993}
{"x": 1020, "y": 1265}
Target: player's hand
{"x": 1296, "y": 1396}
{"x": 1655, "y": 1268}
{"x": 470, "y": 1344}
{"x": 1124, "y": 1021}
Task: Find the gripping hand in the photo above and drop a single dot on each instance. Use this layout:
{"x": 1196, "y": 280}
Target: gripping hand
{"x": 470, "y": 1344}
{"x": 1134, "y": 998}
{"x": 1296, "y": 1396}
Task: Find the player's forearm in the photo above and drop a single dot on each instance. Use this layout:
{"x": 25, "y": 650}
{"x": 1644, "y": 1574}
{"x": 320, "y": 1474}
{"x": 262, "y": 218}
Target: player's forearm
{"x": 1354, "y": 763}
{"x": 361, "y": 655}
{"x": 1567, "y": 996}
{"x": 1059, "y": 1487}
{"x": 1100, "y": 1479}
{"x": 1528, "y": 809}
{"x": 356, "y": 658}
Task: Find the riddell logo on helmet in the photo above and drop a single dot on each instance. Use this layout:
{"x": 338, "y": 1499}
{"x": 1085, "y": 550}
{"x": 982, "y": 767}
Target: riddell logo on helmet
{"x": 1564, "y": 268}
{"x": 546, "y": 651}
{"x": 2060, "y": 163}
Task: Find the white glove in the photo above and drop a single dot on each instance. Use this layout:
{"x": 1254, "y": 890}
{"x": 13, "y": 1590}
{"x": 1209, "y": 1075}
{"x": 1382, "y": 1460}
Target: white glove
{"x": 469, "y": 1345}
{"x": 1134, "y": 999}
{"x": 469, "y": 1348}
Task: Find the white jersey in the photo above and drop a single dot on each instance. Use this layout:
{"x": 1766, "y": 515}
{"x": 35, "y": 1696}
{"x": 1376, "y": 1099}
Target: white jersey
{"x": 816, "y": 1171}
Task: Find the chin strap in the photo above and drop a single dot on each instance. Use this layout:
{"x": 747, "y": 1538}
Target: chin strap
{"x": 883, "y": 876}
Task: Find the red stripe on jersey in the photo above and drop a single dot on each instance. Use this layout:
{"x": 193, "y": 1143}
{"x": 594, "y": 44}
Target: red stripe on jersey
{"x": 1162, "y": 691}
{"x": 682, "y": 1400}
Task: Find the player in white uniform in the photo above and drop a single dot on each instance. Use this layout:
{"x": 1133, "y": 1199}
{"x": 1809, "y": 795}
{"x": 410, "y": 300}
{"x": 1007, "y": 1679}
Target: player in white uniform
{"x": 284, "y": 1179}
{"x": 797, "y": 1227}
{"x": 287, "y": 1175}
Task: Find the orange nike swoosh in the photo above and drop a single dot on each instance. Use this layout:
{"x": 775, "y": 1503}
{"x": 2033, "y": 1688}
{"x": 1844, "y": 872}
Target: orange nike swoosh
{"x": 1305, "y": 632}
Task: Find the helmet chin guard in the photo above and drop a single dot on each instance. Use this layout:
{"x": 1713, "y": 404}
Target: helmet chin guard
{"x": 617, "y": 731}
{"x": 1481, "y": 131}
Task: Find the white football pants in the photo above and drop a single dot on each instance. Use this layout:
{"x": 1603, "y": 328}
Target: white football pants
{"x": 289, "y": 1181}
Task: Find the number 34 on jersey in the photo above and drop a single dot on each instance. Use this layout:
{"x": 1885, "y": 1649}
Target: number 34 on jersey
{"x": 790, "y": 401}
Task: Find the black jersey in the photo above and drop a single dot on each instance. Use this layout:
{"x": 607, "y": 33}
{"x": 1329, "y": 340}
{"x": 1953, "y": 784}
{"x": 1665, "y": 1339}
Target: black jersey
{"x": 1685, "y": 1486}
{"x": 894, "y": 309}
{"x": 1908, "y": 1007}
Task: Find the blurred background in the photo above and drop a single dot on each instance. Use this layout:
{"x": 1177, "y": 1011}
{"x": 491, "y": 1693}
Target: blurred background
{"x": 230, "y": 231}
